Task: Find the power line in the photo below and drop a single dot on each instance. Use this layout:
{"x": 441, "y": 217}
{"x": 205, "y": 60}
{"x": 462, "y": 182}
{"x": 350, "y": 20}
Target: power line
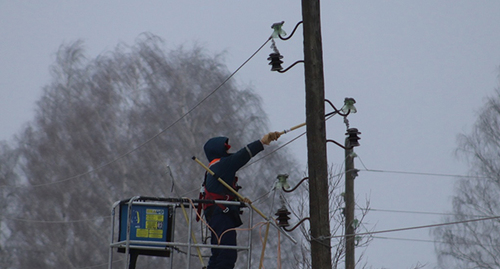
{"x": 409, "y": 212}
{"x": 422, "y": 212}
{"x": 421, "y": 173}
{"x": 416, "y": 173}
{"x": 433, "y": 241}
{"x": 153, "y": 137}
{"x": 414, "y": 212}
{"x": 408, "y": 239}
{"x": 421, "y": 227}
{"x": 54, "y": 221}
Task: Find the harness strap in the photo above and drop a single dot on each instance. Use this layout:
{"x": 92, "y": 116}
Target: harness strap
{"x": 206, "y": 195}
{"x": 214, "y": 161}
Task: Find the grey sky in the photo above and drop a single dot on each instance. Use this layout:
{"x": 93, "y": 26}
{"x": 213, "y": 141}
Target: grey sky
{"x": 419, "y": 71}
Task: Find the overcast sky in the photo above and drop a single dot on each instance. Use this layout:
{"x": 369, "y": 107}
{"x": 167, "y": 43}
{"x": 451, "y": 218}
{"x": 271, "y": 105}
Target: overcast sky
{"x": 419, "y": 71}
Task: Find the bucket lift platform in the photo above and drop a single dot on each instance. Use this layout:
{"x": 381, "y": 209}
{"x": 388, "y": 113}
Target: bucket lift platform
{"x": 147, "y": 226}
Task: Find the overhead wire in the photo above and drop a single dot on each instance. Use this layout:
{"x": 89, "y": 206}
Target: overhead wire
{"x": 407, "y": 239}
{"x": 414, "y": 173}
{"x": 54, "y": 221}
{"x": 421, "y": 227}
{"x": 422, "y": 212}
{"x": 421, "y": 173}
{"x": 431, "y": 241}
{"x": 151, "y": 138}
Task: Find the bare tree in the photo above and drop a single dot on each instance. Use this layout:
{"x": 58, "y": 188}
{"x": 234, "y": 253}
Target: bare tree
{"x": 476, "y": 244}
{"x": 300, "y": 209}
{"x": 8, "y": 177}
{"x": 103, "y": 131}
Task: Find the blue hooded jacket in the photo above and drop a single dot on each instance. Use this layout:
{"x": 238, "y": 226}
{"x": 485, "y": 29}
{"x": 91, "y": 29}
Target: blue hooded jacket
{"x": 229, "y": 164}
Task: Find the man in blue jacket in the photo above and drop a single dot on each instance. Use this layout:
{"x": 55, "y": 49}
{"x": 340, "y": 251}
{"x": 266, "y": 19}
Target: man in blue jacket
{"x": 219, "y": 217}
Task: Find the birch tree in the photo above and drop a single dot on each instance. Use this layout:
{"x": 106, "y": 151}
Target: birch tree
{"x": 476, "y": 244}
{"x": 104, "y": 130}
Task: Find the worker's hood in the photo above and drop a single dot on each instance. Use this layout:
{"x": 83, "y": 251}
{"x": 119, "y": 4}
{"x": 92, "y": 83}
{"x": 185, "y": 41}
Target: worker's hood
{"x": 215, "y": 148}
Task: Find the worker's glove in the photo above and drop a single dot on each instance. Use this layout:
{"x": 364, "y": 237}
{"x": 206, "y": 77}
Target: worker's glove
{"x": 272, "y": 136}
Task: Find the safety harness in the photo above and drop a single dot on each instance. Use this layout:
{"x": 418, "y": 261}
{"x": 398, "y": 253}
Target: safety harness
{"x": 206, "y": 195}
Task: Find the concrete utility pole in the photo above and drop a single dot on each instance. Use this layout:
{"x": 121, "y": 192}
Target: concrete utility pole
{"x": 350, "y": 259}
{"x": 316, "y": 136}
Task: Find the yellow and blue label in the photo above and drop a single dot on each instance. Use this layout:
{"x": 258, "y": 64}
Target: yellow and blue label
{"x": 147, "y": 223}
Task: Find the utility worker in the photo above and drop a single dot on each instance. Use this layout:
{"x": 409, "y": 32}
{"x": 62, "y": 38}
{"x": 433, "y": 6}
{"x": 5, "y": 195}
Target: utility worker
{"x": 219, "y": 217}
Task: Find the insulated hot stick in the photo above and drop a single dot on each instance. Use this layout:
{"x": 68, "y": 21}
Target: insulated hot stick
{"x": 293, "y": 128}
